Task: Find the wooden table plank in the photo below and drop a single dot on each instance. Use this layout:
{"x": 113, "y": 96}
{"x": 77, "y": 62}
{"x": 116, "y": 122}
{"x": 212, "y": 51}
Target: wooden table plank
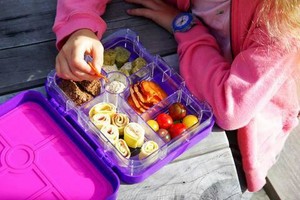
{"x": 4, "y": 98}
{"x": 25, "y": 66}
{"x": 217, "y": 140}
{"x": 26, "y": 22}
{"x": 211, "y": 176}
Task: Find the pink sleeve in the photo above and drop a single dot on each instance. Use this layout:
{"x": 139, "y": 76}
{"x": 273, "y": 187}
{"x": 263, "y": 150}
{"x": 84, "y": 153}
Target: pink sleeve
{"x": 72, "y": 15}
{"x": 182, "y": 5}
{"x": 235, "y": 91}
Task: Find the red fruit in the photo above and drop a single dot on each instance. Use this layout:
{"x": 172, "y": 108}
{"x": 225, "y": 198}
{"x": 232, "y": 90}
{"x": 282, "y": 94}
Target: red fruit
{"x": 164, "y": 120}
{"x": 177, "y": 111}
{"x": 164, "y": 134}
{"x": 176, "y": 129}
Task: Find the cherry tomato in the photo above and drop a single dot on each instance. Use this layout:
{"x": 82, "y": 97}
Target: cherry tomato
{"x": 164, "y": 134}
{"x": 177, "y": 111}
{"x": 164, "y": 120}
{"x": 176, "y": 129}
{"x": 153, "y": 124}
{"x": 190, "y": 120}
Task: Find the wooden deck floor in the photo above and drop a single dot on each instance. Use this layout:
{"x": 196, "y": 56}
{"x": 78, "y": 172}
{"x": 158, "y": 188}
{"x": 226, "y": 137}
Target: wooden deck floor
{"x": 284, "y": 177}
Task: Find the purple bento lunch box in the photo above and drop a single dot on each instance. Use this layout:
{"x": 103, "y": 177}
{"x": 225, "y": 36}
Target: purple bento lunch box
{"x": 50, "y": 149}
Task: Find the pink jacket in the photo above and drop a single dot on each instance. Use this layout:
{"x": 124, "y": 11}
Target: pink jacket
{"x": 255, "y": 94}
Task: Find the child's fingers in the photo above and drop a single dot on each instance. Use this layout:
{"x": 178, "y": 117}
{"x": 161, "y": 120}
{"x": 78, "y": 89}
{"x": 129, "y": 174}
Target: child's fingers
{"x": 76, "y": 59}
{"x": 142, "y": 12}
{"x": 63, "y": 69}
{"x": 97, "y": 54}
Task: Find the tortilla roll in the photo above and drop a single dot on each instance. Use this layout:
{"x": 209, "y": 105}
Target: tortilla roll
{"x": 110, "y": 132}
{"x": 103, "y": 108}
{"x": 123, "y": 148}
{"x": 134, "y": 135}
{"x": 100, "y": 119}
{"x": 148, "y": 148}
{"x": 120, "y": 120}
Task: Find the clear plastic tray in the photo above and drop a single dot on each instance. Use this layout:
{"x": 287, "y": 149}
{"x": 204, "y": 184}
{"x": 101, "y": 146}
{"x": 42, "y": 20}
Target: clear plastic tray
{"x": 133, "y": 169}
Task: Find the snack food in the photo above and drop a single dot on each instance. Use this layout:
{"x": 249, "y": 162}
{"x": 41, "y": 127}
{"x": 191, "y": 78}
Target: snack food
{"x": 164, "y": 134}
{"x": 176, "y": 129}
{"x": 123, "y": 148}
{"x": 110, "y": 68}
{"x": 109, "y": 57}
{"x": 115, "y": 87}
{"x": 144, "y": 94}
{"x": 111, "y": 133}
{"x": 148, "y": 148}
{"x": 80, "y": 91}
{"x": 132, "y": 104}
{"x": 104, "y": 108}
{"x": 190, "y": 120}
{"x": 126, "y": 68}
{"x": 137, "y": 64}
{"x": 120, "y": 120}
{"x": 92, "y": 87}
{"x": 177, "y": 111}
{"x": 134, "y": 135}
{"x": 100, "y": 119}
{"x": 164, "y": 120}
{"x": 152, "y": 90}
{"x": 122, "y": 56}
{"x": 153, "y": 124}
{"x": 117, "y": 59}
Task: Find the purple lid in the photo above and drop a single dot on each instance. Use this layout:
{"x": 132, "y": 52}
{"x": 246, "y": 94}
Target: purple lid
{"x": 43, "y": 157}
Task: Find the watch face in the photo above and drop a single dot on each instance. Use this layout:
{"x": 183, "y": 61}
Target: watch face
{"x": 181, "y": 21}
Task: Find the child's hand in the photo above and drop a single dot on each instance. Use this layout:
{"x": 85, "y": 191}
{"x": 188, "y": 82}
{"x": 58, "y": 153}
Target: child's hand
{"x": 70, "y": 63}
{"x": 156, "y": 10}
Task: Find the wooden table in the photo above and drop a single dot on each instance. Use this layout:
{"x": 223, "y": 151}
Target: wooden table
{"x": 27, "y": 54}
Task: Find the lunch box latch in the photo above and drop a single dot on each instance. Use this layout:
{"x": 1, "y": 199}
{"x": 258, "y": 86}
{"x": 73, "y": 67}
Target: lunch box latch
{"x": 57, "y": 106}
{"x": 104, "y": 158}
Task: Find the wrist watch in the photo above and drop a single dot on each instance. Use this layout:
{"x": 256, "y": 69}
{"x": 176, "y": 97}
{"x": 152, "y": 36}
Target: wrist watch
{"x": 183, "y": 22}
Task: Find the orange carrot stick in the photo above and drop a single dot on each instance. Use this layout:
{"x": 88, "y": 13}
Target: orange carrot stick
{"x": 97, "y": 72}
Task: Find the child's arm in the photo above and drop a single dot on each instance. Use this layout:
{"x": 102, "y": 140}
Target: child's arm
{"x": 78, "y": 28}
{"x": 237, "y": 91}
{"x": 72, "y": 15}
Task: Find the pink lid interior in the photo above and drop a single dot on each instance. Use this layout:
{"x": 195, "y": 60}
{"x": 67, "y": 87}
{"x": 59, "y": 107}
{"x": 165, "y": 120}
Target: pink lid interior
{"x": 38, "y": 160}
